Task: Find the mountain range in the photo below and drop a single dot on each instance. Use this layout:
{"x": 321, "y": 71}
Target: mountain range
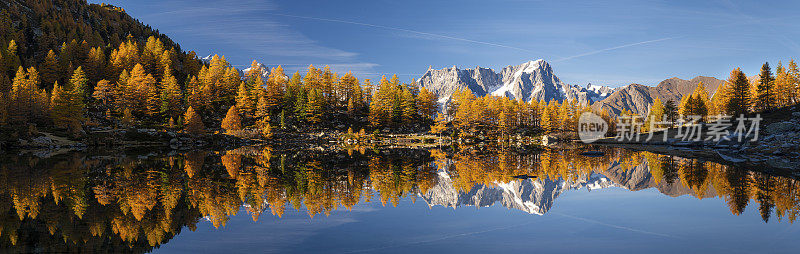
{"x": 536, "y": 80}
{"x": 537, "y": 196}
{"x": 533, "y": 80}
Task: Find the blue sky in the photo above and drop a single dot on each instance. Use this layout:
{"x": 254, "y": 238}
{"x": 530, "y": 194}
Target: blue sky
{"x": 602, "y": 42}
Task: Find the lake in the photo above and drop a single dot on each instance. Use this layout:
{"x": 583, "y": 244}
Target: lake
{"x": 361, "y": 200}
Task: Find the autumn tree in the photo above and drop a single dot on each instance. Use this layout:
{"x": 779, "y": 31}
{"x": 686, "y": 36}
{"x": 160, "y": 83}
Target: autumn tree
{"x": 440, "y": 124}
{"x": 232, "y": 121}
{"x": 245, "y": 100}
{"x": 139, "y": 92}
{"x": 314, "y": 107}
{"x": 105, "y": 95}
{"x": 65, "y": 106}
{"x": 656, "y": 115}
{"x": 193, "y": 124}
{"x": 426, "y": 103}
{"x": 171, "y": 95}
{"x": 274, "y": 89}
{"x": 50, "y": 68}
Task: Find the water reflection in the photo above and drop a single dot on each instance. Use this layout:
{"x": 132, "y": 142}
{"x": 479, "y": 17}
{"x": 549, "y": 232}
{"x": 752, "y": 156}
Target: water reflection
{"x": 85, "y": 202}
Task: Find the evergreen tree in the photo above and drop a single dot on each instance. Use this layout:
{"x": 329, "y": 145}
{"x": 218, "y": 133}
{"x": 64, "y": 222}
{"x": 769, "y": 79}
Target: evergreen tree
{"x": 274, "y": 91}
{"x": 794, "y": 82}
{"x": 171, "y": 95}
{"x": 63, "y": 108}
{"x": 655, "y": 115}
{"x": 20, "y": 98}
{"x": 671, "y": 111}
{"x": 245, "y": 101}
{"x": 547, "y": 117}
{"x": 314, "y": 107}
{"x": 262, "y": 108}
{"x": 139, "y": 92}
{"x": 49, "y": 68}
{"x": 738, "y": 99}
{"x": 78, "y": 84}
{"x": 783, "y": 87}
{"x": 11, "y": 59}
{"x": 765, "y": 90}
{"x": 408, "y": 106}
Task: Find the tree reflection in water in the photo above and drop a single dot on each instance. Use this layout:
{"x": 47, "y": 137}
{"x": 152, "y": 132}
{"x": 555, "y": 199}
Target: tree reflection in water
{"x": 83, "y": 202}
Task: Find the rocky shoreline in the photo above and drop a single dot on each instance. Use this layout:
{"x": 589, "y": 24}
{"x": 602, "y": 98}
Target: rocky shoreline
{"x": 776, "y": 148}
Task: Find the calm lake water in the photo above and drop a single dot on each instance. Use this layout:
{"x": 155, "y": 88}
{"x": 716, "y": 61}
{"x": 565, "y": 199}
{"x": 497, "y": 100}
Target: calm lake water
{"x": 259, "y": 200}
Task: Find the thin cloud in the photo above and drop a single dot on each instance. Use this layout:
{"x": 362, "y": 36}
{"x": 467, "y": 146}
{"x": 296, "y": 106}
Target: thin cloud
{"x": 615, "y": 48}
{"x": 408, "y": 31}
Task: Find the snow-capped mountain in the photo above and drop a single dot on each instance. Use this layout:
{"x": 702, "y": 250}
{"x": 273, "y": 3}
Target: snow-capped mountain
{"x": 263, "y": 68}
{"x": 207, "y": 59}
{"x": 533, "y": 80}
{"x": 534, "y": 196}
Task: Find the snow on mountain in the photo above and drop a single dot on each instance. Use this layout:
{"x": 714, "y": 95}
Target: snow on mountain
{"x": 207, "y": 59}
{"x": 533, "y": 80}
{"x": 263, "y": 68}
{"x": 534, "y": 196}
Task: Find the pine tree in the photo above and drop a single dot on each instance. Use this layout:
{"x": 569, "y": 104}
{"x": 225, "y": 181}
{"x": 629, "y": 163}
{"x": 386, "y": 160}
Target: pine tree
{"x": 783, "y": 87}
{"x": 50, "y": 71}
{"x": 547, "y": 119}
{"x": 78, "y": 84}
{"x": 12, "y": 61}
{"x": 127, "y": 118}
{"x": 738, "y": 99}
{"x": 314, "y": 107}
{"x": 794, "y": 81}
{"x": 671, "y": 111}
{"x": 193, "y": 123}
{"x": 139, "y": 92}
{"x": 171, "y": 95}
{"x": 232, "y": 121}
{"x": 426, "y": 103}
{"x": 274, "y": 90}
{"x": 65, "y": 107}
{"x": 293, "y": 88}
{"x": 655, "y": 115}
{"x": 283, "y": 119}
{"x": 264, "y": 127}
{"x": 408, "y": 106}
{"x": 765, "y": 89}
{"x": 262, "y": 108}
{"x": 20, "y": 98}
{"x": 245, "y": 101}
{"x": 105, "y": 95}
{"x": 440, "y": 124}
{"x": 300, "y": 104}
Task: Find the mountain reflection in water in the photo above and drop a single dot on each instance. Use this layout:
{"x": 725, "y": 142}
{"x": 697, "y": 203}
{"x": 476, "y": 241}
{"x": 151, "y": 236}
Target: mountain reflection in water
{"x": 90, "y": 202}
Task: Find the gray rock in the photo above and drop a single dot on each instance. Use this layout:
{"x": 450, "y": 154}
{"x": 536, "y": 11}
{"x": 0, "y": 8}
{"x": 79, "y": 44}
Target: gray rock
{"x": 781, "y": 128}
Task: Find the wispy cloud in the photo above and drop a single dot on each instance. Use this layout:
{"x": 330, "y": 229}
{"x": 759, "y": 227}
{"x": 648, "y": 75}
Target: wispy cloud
{"x": 409, "y": 31}
{"x": 239, "y": 30}
{"x": 615, "y": 48}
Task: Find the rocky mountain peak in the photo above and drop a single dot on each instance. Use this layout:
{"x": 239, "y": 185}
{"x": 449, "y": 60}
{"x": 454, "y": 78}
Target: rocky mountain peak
{"x": 532, "y": 80}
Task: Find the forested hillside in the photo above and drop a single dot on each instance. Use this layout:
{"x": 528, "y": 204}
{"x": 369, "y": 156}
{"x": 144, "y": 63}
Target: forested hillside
{"x": 70, "y": 67}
